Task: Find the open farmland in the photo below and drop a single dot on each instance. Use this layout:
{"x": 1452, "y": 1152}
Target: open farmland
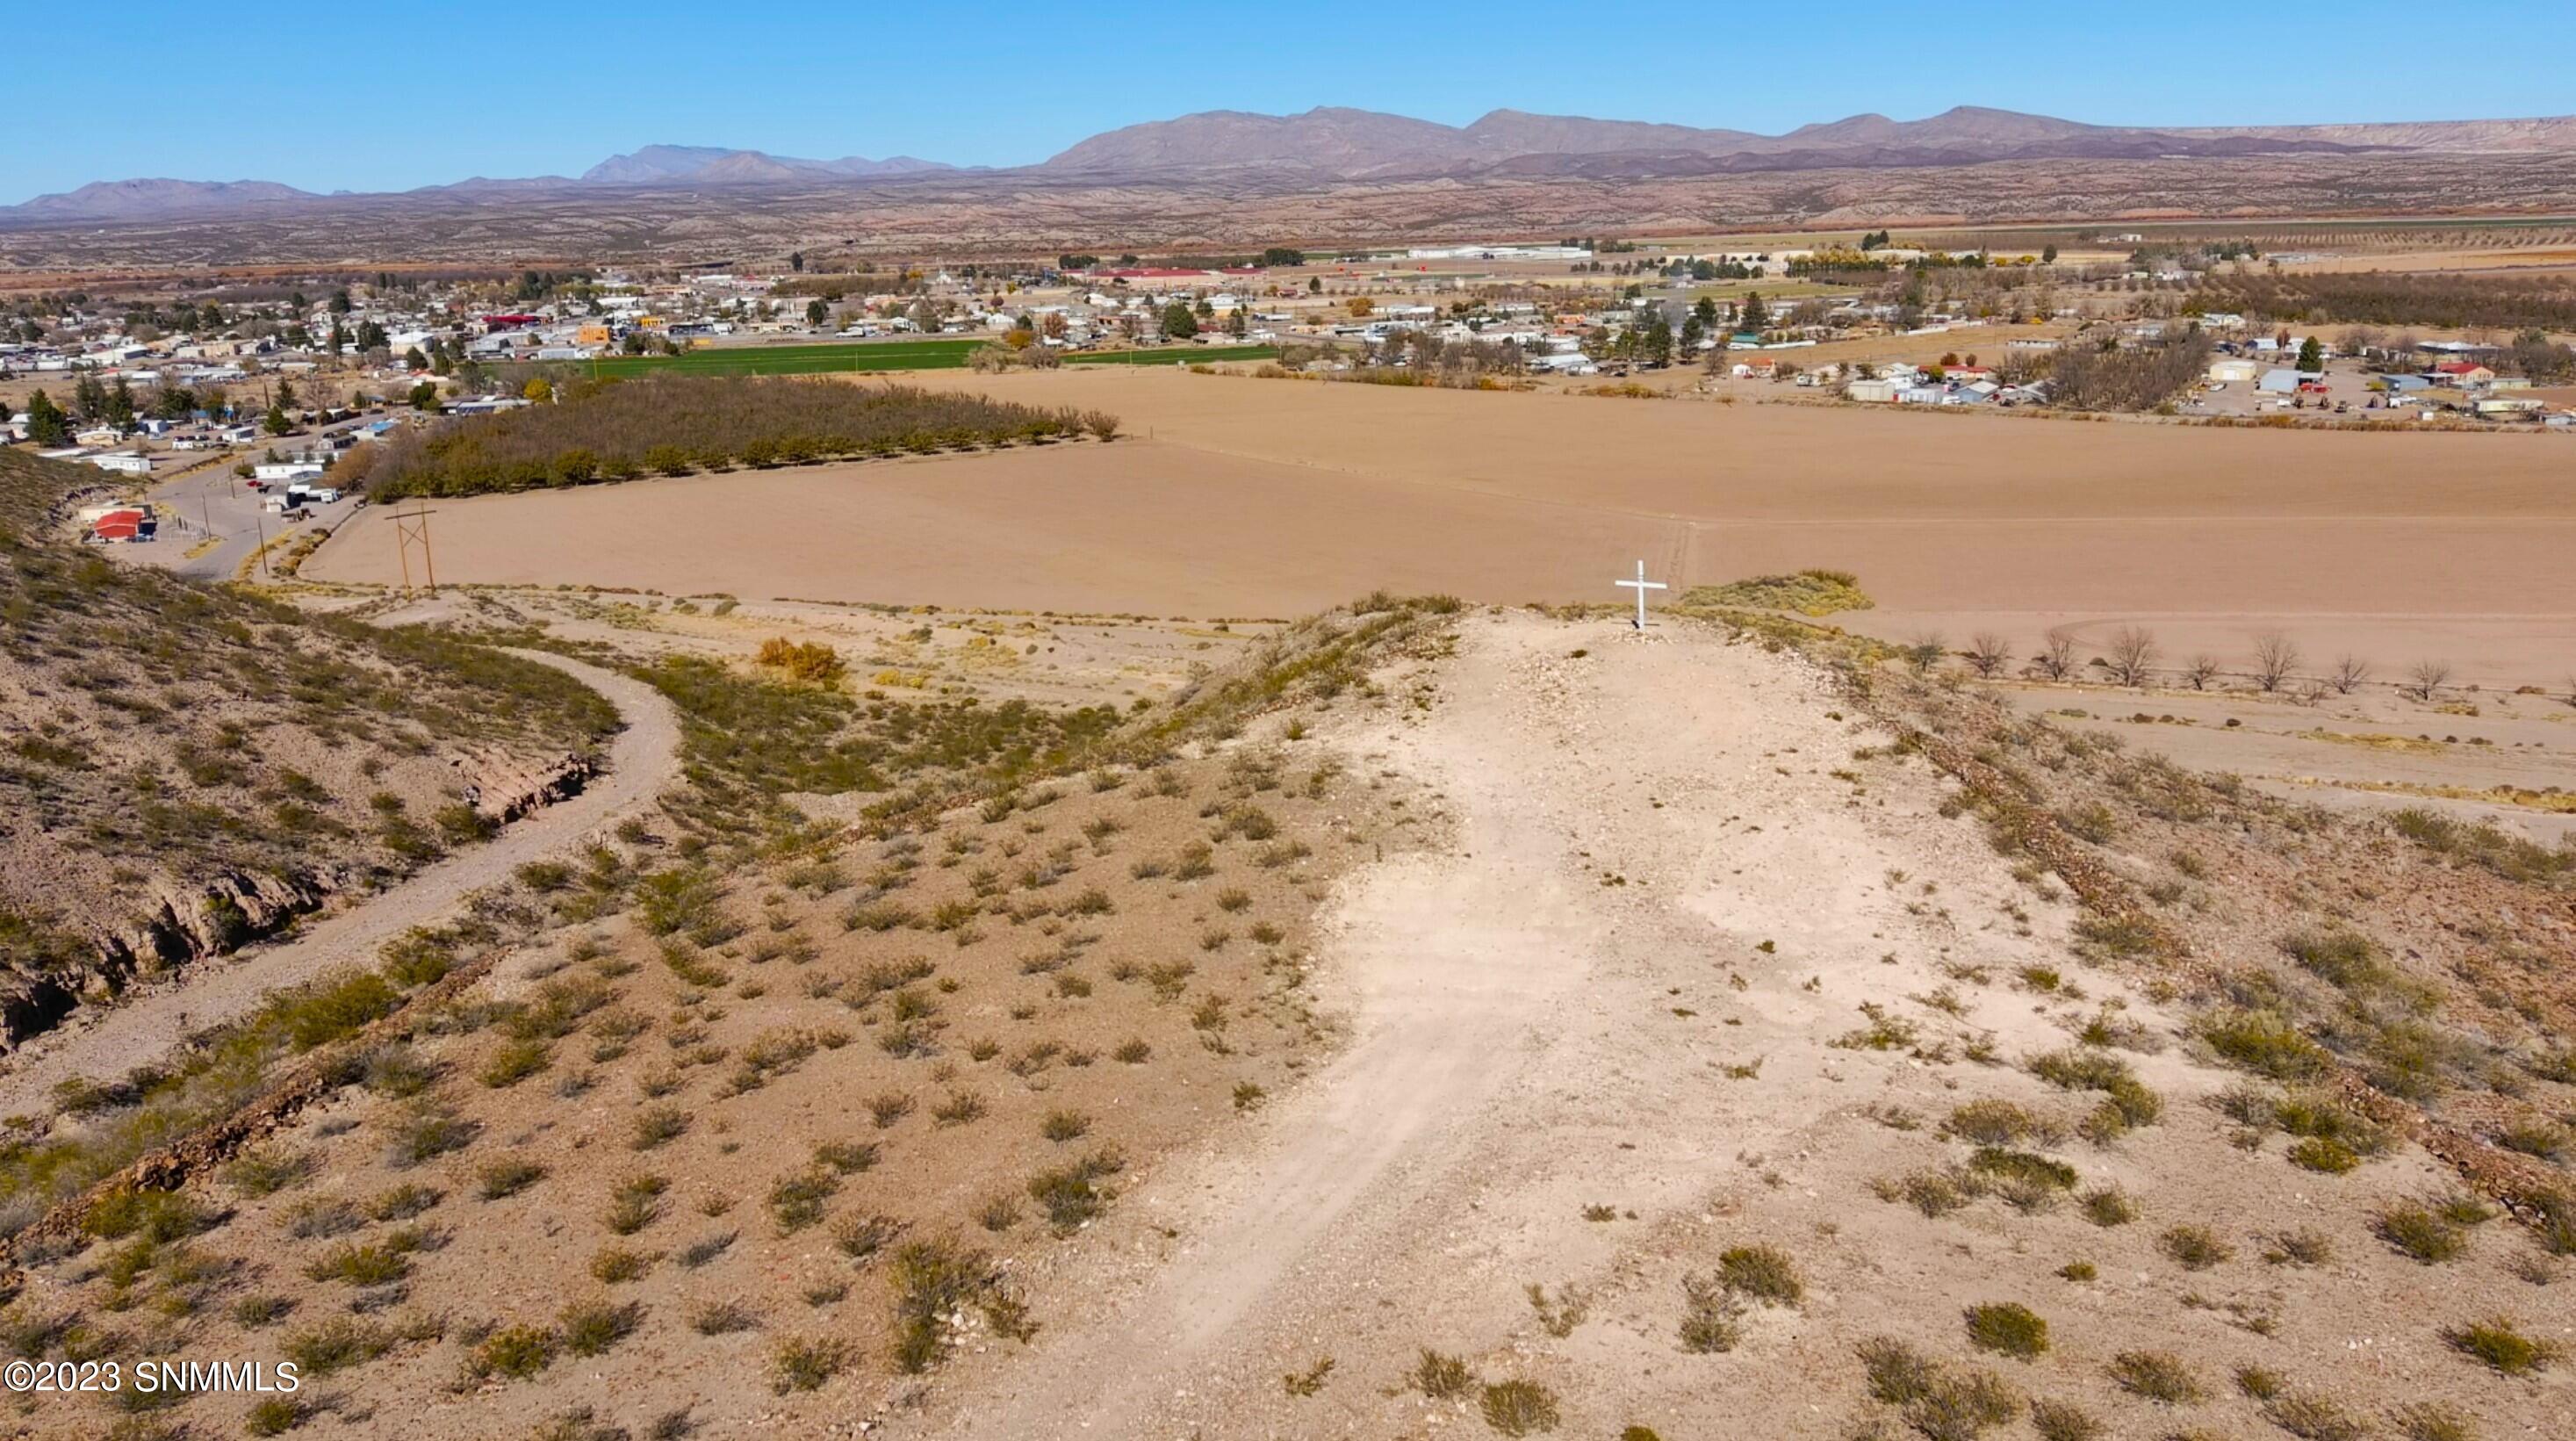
{"x": 867, "y": 357}
{"x": 1233, "y": 496}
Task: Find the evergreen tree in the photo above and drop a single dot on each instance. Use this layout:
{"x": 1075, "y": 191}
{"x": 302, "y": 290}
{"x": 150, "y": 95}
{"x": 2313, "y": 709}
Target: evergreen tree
{"x": 120, "y": 405}
{"x": 2312, "y": 356}
{"x": 1754, "y": 317}
{"x": 46, "y": 423}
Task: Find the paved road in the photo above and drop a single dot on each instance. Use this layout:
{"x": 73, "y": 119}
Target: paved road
{"x": 643, "y": 760}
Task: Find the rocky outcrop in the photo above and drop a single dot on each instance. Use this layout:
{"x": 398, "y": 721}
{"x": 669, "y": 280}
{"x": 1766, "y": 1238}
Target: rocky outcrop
{"x": 502, "y": 792}
{"x": 175, "y": 926}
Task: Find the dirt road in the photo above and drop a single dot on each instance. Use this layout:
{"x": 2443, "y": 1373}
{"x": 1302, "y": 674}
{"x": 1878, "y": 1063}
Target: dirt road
{"x": 1540, "y": 1010}
{"x": 644, "y": 758}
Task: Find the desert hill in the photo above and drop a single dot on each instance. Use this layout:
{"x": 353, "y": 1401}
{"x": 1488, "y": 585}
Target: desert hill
{"x": 1342, "y": 143}
{"x": 184, "y": 768}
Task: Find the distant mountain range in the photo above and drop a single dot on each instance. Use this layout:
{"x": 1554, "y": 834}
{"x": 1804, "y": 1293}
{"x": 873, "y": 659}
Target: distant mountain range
{"x": 1332, "y": 143}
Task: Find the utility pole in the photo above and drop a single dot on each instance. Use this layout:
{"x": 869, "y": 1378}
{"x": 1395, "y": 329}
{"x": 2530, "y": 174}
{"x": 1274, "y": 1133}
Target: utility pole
{"x": 408, "y": 530}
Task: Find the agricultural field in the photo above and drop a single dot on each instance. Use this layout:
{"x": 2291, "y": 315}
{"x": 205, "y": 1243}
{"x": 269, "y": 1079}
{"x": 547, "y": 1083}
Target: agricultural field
{"x": 1229, "y": 495}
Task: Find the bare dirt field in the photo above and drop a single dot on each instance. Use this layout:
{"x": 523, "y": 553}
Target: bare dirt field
{"x": 1252, "y": 497}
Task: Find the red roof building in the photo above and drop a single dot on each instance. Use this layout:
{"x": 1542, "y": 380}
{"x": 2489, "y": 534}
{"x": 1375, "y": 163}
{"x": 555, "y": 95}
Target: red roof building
{"x": 121, "y": 525}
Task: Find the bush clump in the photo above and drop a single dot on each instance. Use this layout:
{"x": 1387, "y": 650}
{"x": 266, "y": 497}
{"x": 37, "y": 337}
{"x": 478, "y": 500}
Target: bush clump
{"x": 2008, "y": 1327}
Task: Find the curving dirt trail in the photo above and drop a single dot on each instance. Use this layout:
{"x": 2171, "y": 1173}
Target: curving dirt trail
{"x": 643, "y": 759}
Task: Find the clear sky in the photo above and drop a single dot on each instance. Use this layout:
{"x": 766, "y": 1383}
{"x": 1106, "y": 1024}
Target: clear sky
{"x": 372, "y": 96}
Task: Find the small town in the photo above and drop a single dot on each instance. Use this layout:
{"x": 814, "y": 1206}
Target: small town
{"x": 1463, "y": 724}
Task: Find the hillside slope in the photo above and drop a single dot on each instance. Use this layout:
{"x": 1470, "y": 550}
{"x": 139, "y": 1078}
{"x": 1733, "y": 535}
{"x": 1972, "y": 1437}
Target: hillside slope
{"x": 183, "y": 769}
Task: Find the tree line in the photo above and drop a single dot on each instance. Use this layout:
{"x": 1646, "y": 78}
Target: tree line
{"x": 674, "y": 425}
{"x": 2391, "y": 298}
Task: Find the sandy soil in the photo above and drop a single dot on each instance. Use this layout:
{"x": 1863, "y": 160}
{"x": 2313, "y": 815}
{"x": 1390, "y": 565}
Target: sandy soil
{"x": 1653, "y": 875}
{"x": 1275, "y": 497}
{"x": 1539, "y": 1015}
{"x": 643, "y": 759}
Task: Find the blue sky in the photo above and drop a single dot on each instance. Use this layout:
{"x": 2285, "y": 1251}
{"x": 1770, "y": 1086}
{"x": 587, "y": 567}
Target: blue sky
{"x": 352, "y": 95}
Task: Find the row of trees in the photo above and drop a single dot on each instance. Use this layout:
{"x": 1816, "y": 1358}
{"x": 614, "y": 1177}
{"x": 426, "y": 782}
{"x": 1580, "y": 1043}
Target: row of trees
{"x": 673, "y": 425}
{"x": 2134, "y": 657}
{"x": 2394, "y": 298}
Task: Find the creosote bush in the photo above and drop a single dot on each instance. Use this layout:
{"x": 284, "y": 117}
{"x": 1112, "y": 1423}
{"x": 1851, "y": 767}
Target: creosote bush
{"x": 2007, "y": 1327}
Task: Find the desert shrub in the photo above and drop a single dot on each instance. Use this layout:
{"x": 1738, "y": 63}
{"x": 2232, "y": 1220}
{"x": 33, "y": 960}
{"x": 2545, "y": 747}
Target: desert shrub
{"x": 267, "y": 1172}
{"x": 2109, "y": 1206}
{"x": 932, "y": 1279}
{"x": 2157, "y": 1375}
{"x": 590, "y": 1328}
{"x": 811, "y": 662}
{"x": 1442, "y": 1378}
{"x": 2499, "y": 1344}
{"x": 514, "y": 1352}
{"x": 2266, "y": 1042}
{"x": 1937, "y": 1403}
{"x": 2300, "y": 1248}
{"x": 1518, "y": 1408}
{"x": 1995, "y": 1122}
{"x": 2062, "y": 1421}
{"x": 2536, "y": 1138}
{"x": 657, "y": 1125}
{"x": 2194, "y": 1248}
{"x": 508, "y": 1177}
{"x": 276, "y": 1415}
{"x": 635, "y": 1204}
{"x": 2008, "y": 1327}
{"x": 336, "y": 1345}
{"x": 2311, "y": 1417}
{"x": 1710, "y": 1317}
{"x": 1068, "y": 1192}
{"x": 2420, "y": 1233}
{"x": 796, "y": 1202}
{"x": 156, "y": 1216}
{"x": 805, "y": 1363}
{"x": 1765, "y": 1273}
{"x": 2433, "y": 1421}
{"x": 846, "y": 1157}
{"x": 1809, "y": 593}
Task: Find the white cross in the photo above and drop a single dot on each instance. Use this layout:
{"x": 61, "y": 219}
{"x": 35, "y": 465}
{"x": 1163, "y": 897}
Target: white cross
{"x": 1641, "y": 585}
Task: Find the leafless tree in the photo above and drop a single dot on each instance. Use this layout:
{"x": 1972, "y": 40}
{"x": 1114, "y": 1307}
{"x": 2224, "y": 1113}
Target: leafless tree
{"x": 2056, "y": 660}
{"x": 1925, "y": 652}
{"x": 2349, "y": 673}
{"x": 2200, "y": 670}
{"x": 2276, "y": 658}
{"x": 2425, "y": 678}
{"x": 2133, "y": 655}
{"x": 1988, "y": 654}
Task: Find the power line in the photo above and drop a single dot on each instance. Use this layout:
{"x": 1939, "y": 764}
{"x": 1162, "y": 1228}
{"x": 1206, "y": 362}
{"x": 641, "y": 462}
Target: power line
{"x": 409, "y": 530}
